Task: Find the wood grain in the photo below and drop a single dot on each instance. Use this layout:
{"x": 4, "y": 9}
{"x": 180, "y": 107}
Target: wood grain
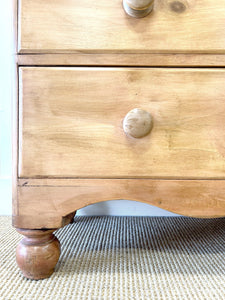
{"x": 37, "y": 253}
{"x": 71, "y": 123}
{"x": 67, "y": 124}
{"x": 184, "y": 26}
{"x": 44, "y": 202}
{"x": 121, "y": 59}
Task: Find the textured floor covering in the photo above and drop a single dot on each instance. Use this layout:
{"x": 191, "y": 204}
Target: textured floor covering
{"x": 125, "y": 258}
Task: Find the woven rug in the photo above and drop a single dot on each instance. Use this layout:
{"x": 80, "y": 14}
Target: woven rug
{"x": 124, "y": 258}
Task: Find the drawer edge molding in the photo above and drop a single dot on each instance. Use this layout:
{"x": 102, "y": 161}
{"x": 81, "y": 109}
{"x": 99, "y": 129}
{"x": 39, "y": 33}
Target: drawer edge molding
{"x": 120, "y": 59}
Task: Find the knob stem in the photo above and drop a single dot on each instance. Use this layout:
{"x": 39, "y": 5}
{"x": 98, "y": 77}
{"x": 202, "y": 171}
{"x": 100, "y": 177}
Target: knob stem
{"x": 138, "y": 8}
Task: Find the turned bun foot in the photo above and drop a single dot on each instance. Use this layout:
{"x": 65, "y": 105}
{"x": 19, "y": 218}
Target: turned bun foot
{"x": 37, "y": 253}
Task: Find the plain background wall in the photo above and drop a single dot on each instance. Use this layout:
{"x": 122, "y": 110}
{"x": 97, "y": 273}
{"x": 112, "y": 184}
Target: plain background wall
{"x": 5, "y": 105}
{"x": 115, "y": 207}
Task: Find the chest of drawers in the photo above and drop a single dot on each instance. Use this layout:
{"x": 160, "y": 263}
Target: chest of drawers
{"x": 116, "y": 100}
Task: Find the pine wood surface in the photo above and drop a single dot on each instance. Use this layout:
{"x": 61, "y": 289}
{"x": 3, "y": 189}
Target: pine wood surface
{"x": 45, "y": 203}
{"x": 184, "y": 26}
{"x": 70, "y": 149}
{"x": 121, "y": 59}
{"x": 71, "y": 123}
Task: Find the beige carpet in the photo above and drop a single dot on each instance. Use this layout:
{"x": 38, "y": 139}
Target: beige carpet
{"x": 125, "y": 258}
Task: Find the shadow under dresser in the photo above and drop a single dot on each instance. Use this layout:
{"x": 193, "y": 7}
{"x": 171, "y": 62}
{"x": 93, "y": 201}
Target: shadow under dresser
{"x": 115, "y": 100}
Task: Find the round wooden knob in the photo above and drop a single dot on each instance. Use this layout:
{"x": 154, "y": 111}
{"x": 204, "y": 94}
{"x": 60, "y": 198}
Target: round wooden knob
{"x": 137, "y": 123}
{"x": 138, "y": 8}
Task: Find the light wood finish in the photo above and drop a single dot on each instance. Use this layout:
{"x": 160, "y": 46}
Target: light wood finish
{"x": 59, "y": 197}
{"x": 71, "y": 123}
{"x": 185, "y": 26}
{"x": 43, "y": 221}
{"x": 70, "y": 149}
{"x": 70, "y": 182}
{"x": 38, "y": 253}
{"x": 166, "y": 60}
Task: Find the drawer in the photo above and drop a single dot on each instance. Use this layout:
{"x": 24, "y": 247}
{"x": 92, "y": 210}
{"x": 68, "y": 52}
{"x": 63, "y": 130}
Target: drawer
{"x": 183, "y": 26}
{"x": 72, "y": 122}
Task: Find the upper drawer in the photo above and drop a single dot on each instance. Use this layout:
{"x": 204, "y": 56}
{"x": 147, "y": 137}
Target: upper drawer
{"x": 71, "y": 122}
{"x": 183, "y": 26}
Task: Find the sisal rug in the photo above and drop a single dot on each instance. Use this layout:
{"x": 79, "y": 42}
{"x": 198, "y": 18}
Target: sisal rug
{"x": 108, "y": 258}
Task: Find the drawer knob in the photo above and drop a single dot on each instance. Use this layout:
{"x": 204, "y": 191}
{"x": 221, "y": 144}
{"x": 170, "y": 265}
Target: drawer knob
{"x": 138, "y": 8}
{"x": 137, "y": 123}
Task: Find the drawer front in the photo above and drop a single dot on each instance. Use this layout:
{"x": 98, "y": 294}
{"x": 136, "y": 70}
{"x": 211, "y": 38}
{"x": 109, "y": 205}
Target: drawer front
{"x": 71, "y": 122}
{"x": 103, "y": 26}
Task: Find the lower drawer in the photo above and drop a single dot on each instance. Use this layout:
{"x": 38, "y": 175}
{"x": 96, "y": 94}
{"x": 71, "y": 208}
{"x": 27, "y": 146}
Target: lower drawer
{"x": 71, "y": 122}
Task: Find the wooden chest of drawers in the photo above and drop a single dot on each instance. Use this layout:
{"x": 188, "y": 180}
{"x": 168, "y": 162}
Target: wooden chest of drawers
{"x": 114, "y": 106}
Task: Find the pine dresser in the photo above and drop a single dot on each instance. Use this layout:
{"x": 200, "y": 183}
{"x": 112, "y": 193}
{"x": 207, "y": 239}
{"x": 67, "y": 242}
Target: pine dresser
{"x": 115, "y": 100}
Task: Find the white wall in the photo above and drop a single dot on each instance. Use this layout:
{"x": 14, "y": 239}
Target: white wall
{"x": 5, "y": 105}
{"x": 119, "y": 207}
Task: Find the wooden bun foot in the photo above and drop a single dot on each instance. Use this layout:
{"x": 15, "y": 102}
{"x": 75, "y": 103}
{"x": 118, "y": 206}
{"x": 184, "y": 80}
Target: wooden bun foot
{"x": 37, "y": 253}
